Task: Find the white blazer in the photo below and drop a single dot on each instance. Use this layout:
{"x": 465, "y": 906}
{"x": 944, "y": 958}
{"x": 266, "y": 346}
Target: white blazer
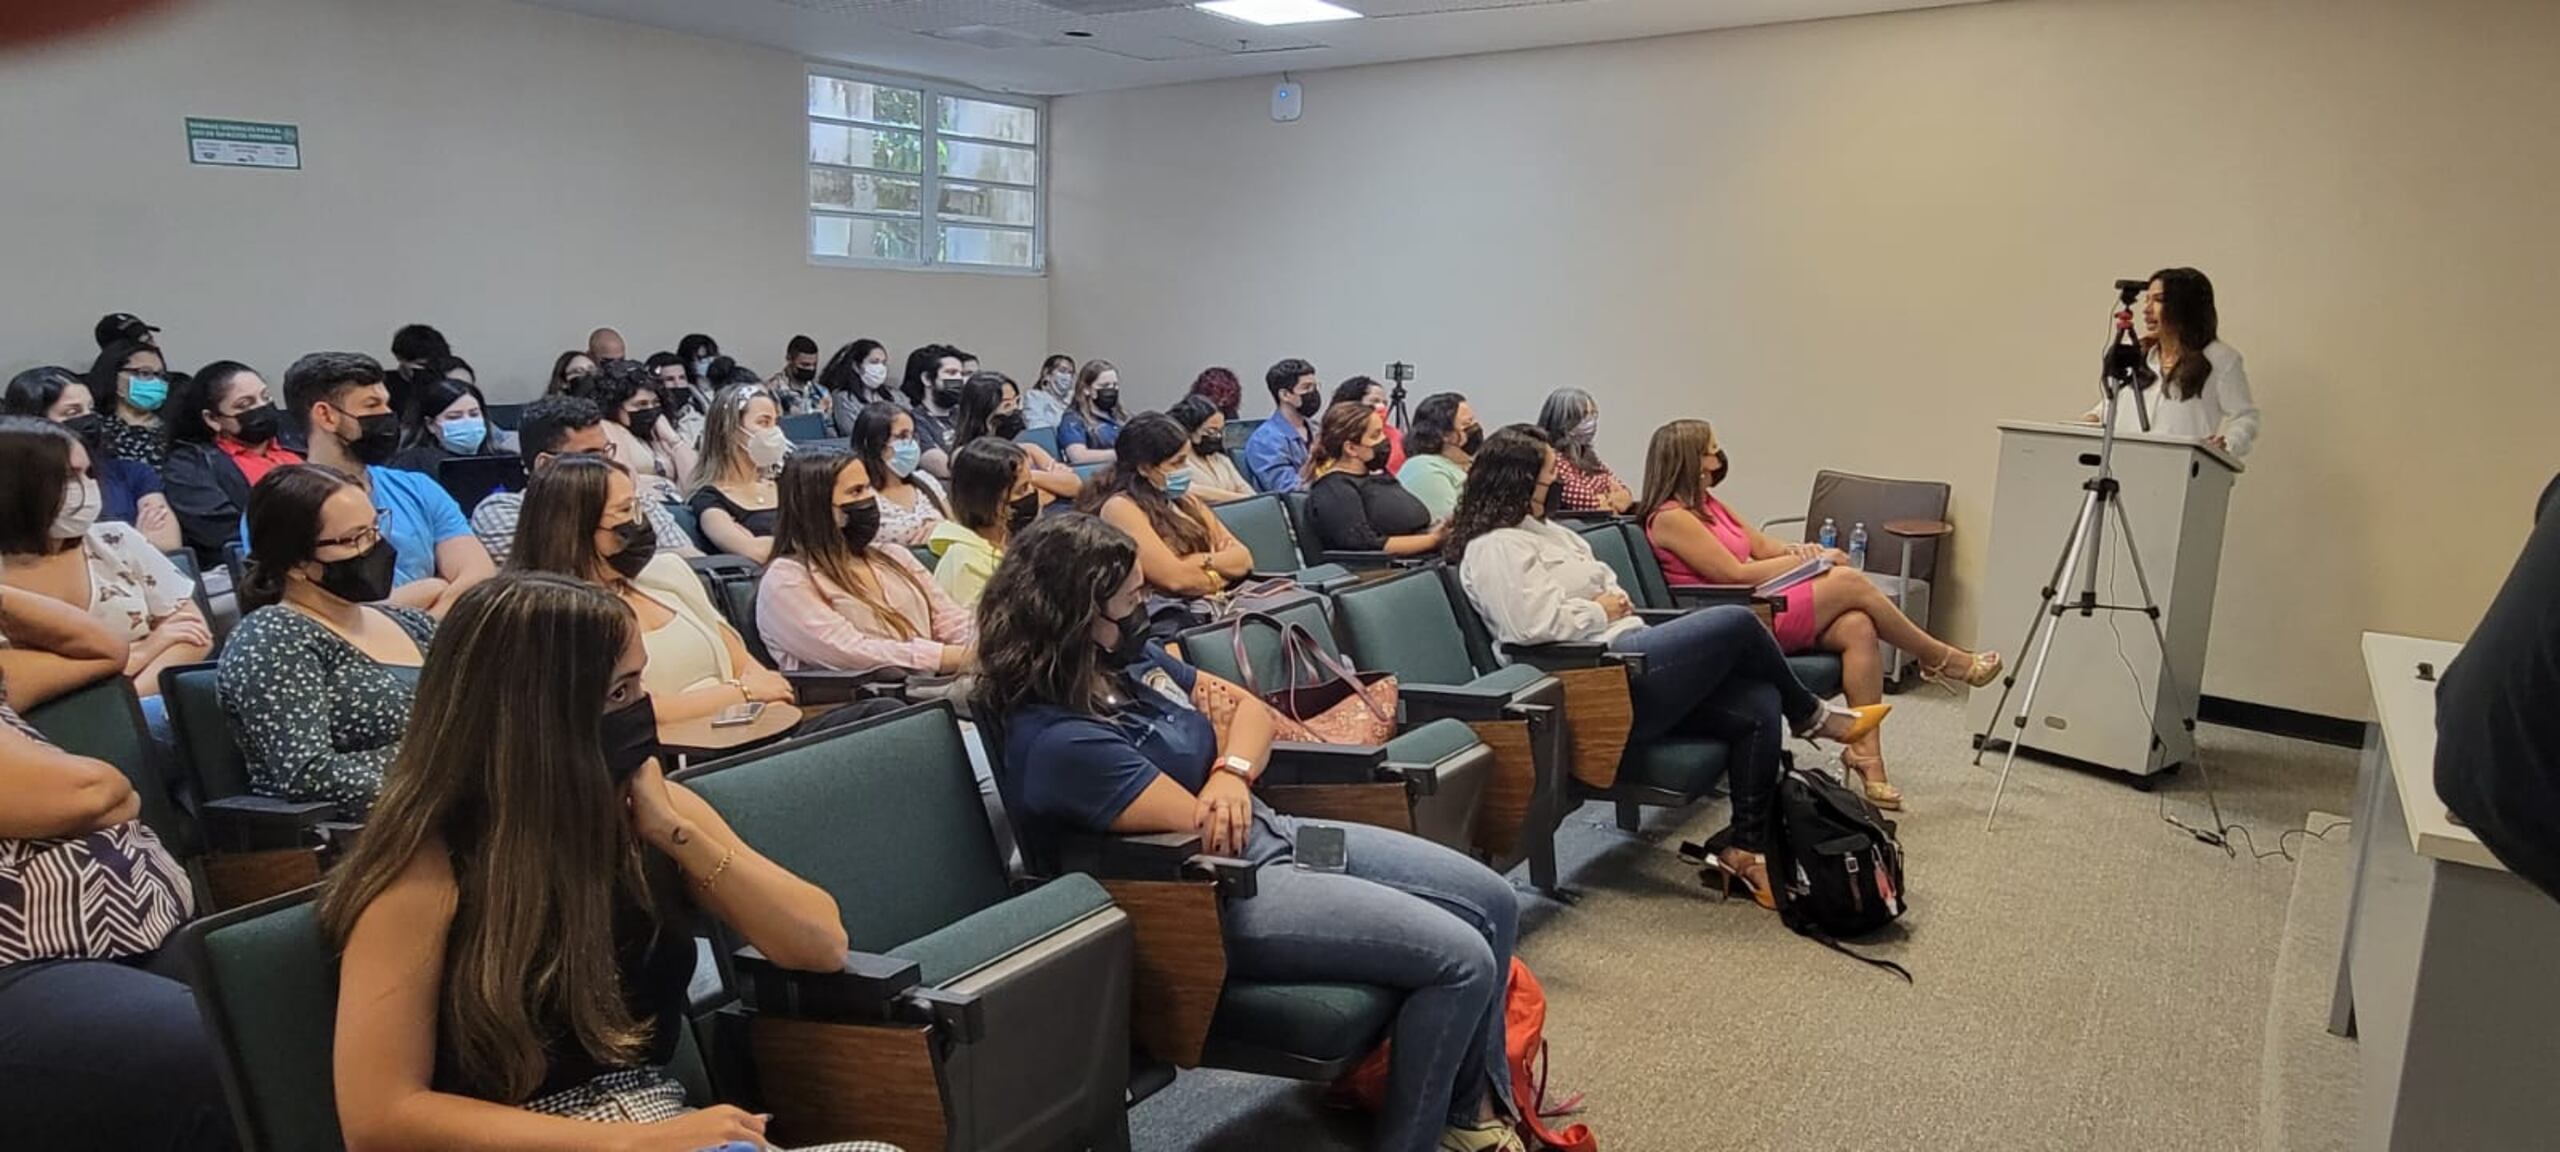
{"x": 2223, "y": 406}
{"x": 1539, "y": 584}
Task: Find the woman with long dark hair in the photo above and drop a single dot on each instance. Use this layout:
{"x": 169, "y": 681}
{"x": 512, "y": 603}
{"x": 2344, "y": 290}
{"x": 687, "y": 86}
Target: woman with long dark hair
{"x": 1214, "y": 474}
{"x": 570, "y": 372}
{"x": 515, "y": 928}
{"x": 1098, "y": 734}
{"x": 1714, "y": 671}
{"x": 911, "y": 500}
{"x": 1701, "y": 541}
{"x": 1090, "y": 426}
{"x": 225, "y": 434}
{"x": 319, "y": 676}
{"x": 992, "y": 501}
{"x": 1571, "y": 420}
{"x": 447, "y": 417}
{"x": 581, "y": 518}
{"x": 1183, "y": 550}
{"x": 856, "y": 375}
{"x": 131, "y": 493}
{"x": 991, "y": 405}
{"x": 836, "y": 596}
{"x": 1047, "y": 400}
{"x": 2199, "y": 388}
{"x": 136, "y": 379}
{"x": 1353, "y": 502}
{"x": 639, "y": 426}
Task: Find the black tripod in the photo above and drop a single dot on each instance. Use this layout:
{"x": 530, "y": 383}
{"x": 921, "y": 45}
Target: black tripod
{"x": 1399, "y": 373}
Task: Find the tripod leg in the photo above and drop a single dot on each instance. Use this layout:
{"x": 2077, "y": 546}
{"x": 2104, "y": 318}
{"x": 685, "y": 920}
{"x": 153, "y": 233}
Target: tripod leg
{"x": 2075, "y": 551}
{"x": 2169, "y": 673}
{"x": 2043, "y": 617}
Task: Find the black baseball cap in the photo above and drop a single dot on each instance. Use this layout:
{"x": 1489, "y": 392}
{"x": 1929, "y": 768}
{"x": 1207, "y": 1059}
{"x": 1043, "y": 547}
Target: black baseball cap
{"x": 116, "y": 326}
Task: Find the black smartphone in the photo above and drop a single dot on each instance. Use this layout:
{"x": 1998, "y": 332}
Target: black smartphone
{"x": 1321, "y": 848}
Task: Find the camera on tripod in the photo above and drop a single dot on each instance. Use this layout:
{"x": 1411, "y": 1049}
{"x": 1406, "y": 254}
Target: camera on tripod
{"x": 2126, "y": 364}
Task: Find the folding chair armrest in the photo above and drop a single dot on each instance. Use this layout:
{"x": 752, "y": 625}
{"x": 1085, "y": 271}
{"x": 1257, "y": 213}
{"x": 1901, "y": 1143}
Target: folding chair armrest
{"x": 1661, "y": 615}
{"x": 1292, "y": 762}
{"x": 819, "y": 686}
{"x": 1709, "y": 595}
{"x": 1361, "y": 561}
{"x": 1586, "y": 516}
{"x": 1163, "y": 856}
{"x": 1766, "y": 525}
{"x": 868, "y": 988}
{"x": 249, "y": 822}
{"x": 1424, "y": 703}
{"x": 1567, "y": 655}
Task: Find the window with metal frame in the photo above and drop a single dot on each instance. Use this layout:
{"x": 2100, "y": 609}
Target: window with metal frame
{"x": 916, "y": 175}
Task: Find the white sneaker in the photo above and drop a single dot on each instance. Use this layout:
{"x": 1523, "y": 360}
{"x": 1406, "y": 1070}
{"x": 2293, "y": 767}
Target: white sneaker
{"x": 1489, "y": 1136}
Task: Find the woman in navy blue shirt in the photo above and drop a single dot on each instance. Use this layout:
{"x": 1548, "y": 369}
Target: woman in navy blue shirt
{"x": 131, "y": 489}
{"x": 1100, "y": 736}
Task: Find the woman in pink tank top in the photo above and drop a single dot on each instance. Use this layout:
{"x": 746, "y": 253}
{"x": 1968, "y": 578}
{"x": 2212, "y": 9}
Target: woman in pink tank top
{"x": 1701, "y": 541}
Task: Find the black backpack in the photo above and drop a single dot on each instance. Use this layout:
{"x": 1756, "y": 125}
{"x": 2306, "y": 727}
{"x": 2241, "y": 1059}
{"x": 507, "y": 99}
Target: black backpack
{"x": 1834, "y": 864}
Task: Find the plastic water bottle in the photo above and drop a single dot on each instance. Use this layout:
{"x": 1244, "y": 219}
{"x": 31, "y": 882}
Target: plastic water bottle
{"x": 1858, "y": 546}
{"x": 1830, "y": 533}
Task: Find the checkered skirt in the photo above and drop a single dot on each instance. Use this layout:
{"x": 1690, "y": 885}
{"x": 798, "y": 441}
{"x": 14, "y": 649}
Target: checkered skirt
{"x": 646, "y": 1096}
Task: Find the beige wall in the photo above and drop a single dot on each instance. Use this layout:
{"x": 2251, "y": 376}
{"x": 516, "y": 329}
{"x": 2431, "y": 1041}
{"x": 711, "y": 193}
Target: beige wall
{"x": 1859, "y": 243}
{"x": 513, "y": 175}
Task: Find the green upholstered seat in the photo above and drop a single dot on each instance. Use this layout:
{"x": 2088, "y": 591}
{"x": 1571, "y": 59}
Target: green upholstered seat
{"x": 104, "y": 720}
{"x": 1431, "y": 743}
{"x": 955, "y": 949}
{"x": 1820, "y": 671}
{"x": 1404, "y": 624}
{"x": 1261, "y": 524}
{"x": 1318, "y": 1023}
{"x": 1683, "y": 767}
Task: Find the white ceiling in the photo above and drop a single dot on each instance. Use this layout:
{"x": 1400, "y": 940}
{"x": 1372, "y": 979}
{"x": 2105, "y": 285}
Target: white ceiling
{"x": 1026, "y": 46}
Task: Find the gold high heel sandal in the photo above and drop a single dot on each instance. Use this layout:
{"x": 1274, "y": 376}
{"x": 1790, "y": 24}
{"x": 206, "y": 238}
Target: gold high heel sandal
{"x": 1729, "y": 877}
{"x": 1976, "y": 669}
{"x": 1863, "y": 722}
{"x": 1879, "y": 793}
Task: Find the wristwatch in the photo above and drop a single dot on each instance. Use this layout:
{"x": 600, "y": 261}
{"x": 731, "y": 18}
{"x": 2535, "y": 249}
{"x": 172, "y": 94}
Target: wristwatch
{"x": 1242, "y": 767}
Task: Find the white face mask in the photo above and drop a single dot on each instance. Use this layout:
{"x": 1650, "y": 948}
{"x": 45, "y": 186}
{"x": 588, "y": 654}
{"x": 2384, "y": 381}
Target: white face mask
{"x": 81, "y": 504}
{"x": 767, "y": 448}
{"x": 875, "y": 374}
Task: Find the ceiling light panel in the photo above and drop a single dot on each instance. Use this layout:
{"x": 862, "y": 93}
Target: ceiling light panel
{"x": 1278, "y": 12}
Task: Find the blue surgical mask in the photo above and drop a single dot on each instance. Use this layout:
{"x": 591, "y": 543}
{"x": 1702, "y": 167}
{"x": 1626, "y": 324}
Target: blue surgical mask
{"x": 903, "y": 456}
{"x": 1178, "y": 482}
{"x": 464, "y": 436}
{"x": 147, "y": 393}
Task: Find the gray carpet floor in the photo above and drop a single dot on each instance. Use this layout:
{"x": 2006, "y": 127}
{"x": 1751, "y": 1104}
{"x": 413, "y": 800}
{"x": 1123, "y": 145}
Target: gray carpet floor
{"x": 2088, "y": 977}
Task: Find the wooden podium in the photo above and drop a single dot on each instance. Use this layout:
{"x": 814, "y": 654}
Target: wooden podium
{"x": 2105, "y": 668}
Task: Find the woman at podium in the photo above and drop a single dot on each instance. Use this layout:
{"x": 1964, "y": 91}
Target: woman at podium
{"x": 2202, "y": 392}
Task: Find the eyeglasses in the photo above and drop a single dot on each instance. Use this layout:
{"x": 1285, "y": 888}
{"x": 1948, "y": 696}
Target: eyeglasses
{"x": 362, "y": 539}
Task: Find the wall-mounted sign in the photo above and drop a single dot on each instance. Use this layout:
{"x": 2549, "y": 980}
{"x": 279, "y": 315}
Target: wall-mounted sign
{"x": 243, "y": 143}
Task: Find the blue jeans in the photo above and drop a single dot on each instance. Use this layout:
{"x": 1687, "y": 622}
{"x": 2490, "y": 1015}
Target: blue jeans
{"x": 96, "y": 1054}
{"x": 1717, "y": 673}
{"x": 1406, "y": 914}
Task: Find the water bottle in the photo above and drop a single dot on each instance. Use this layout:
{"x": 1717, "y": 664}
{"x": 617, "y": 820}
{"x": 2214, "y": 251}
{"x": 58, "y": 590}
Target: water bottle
{"x": 1830, "y": 533}
{"x": 1858, "y": 546}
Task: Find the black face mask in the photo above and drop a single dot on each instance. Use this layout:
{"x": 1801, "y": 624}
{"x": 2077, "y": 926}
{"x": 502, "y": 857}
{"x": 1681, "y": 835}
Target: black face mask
{"x": 679, "y": 398}
{"x": 641, "y": 421}
{"x": 1474, "y": 442}
{"x": 377, "y": 437}
{"x": 1375, "y": 456}
{"x": 1007, "y": 424}
{"x": 1209, "y": 446}
{"x": 861, "y": 523}
{"x": 1310, "y": 404}
{"x": 803, "y": 375}
{"x": 1106, "y": 399}
{"x": 363, "y": 578}
{"x": 1723, "y": 467}
{"x": 1554, "y": 502}
{"x": 91, "y": 428}
{"x": 639, "y": 540}
{"x": 260, "y": 424}
{"x": 1019, "y": 514}
{"x": 629, "y": 735}
{"x": 1133, "y": 639}
{"x": 946, "y": 394}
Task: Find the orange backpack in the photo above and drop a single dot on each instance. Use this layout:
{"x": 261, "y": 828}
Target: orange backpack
{"x": 1524, "y": 1034}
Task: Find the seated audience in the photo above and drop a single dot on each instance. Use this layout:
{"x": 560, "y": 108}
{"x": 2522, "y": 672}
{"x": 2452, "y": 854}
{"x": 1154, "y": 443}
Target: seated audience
{"x": 1099, "y": 736}
{"x": 1046, "y": 404}
{"x": 52, "y": 543}
{"x": 515, "y": 928}
{"x": 446, "y": 418}
{"x": 1714, "y": 672}
{"x": 1353, "y": 502}
{"x": 856, "y": 375}
{"x": 796, "y": 386}
{"x": 130, "y": 493}
{"x": 991, "y": 404}
{"x": 1276, "y": 454}
{"x": 134, "y": 376}
{"x": 835, "y": 596}
{"x": 684, "y": 401}
{"x": 1367, "y": 391}
{"x": 1701, "y": 541}
{"x": 635, "y": 423}
{"x": 1571, "y": 420}
{"x": 1223, "y": 390}
{"x": 992, "y": 501}
{"x": 570, "y": 373}
{"x": 1090, "y": 426}
{"x": 1214, "y": 475}
{"x": 225, "y": 435}
{"x": 340, "y": 397}
{"x": 742, "y": 447}
{"x": 688, "y": 400}
{"x": 1443, "y": 442}
{"x": 911, "y": 501}
{"x": 99, "y": 1049}
{"x": 1184, "y": 551}
{"x": 582, "y": 519}
{"x": 929, "y": 391}
{"x": 548, "y": 429}
{"x": 319, "y": 676}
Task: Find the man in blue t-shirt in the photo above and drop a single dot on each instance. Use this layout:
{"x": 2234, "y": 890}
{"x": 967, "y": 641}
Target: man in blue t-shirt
{"x": 1275, "y": 456}
{"x": 341, "y": 398}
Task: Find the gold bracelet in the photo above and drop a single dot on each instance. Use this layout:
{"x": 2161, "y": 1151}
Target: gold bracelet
{"x": 725, "y": 857}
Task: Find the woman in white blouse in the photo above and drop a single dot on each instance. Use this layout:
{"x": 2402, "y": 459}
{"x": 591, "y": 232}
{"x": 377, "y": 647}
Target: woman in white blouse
{"x": 2202, "y": 391}
{"x": 1713, "y": 672}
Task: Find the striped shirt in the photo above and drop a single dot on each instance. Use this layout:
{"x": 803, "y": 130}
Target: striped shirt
{"x": 99, "y": 895}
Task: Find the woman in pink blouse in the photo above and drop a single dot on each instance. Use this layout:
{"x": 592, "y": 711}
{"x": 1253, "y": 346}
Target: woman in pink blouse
{"x": 833, "y": 598}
